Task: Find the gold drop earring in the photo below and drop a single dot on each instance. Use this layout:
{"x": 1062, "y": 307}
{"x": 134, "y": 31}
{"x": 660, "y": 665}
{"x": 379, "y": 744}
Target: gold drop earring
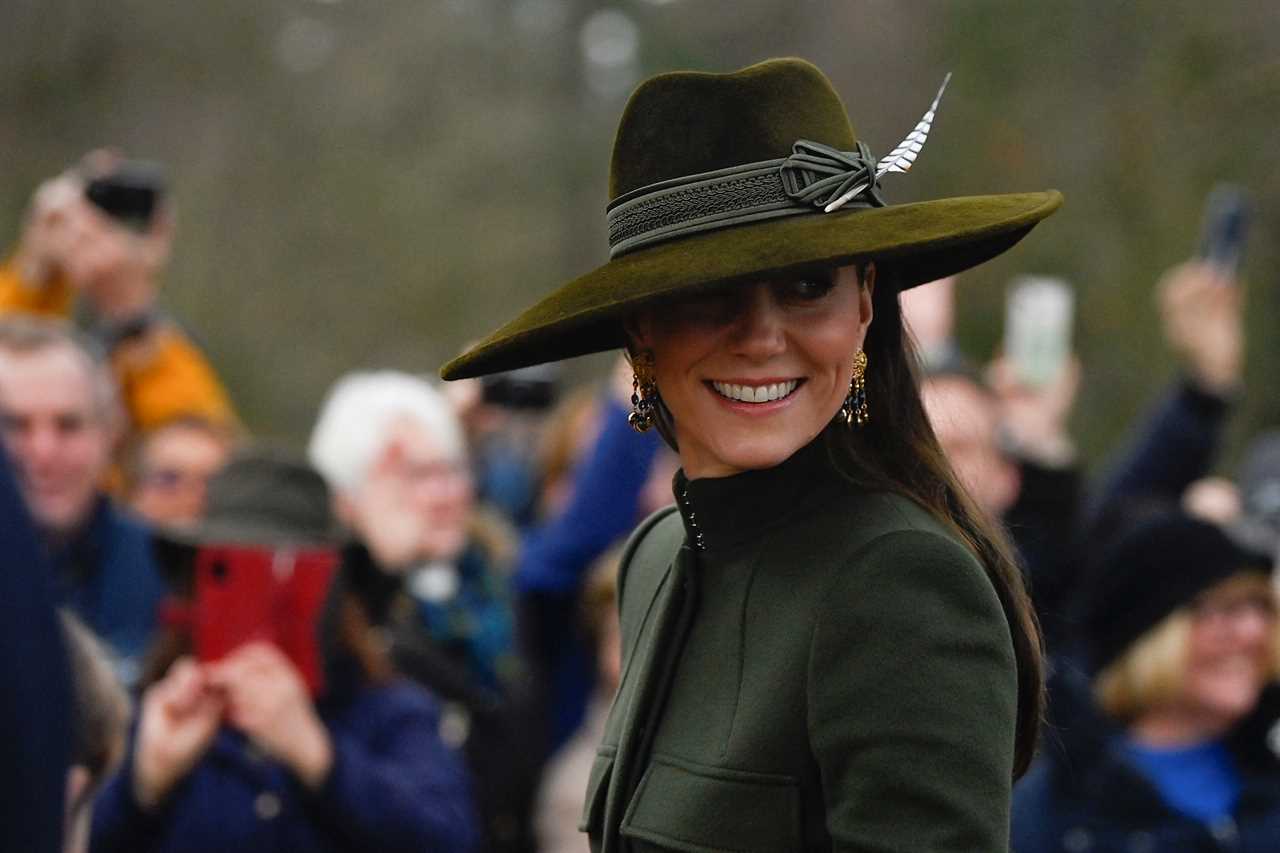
{"x": 854, "y": 410}
{"x": 644, "y": 392}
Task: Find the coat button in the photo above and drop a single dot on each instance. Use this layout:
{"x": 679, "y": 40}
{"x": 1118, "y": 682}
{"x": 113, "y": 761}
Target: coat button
{"x": 455, "y": 725}
{"x": 1077, "y": 840}
{"x": 267, "y": 805}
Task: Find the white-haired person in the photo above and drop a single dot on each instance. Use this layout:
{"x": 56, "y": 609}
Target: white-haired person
{"x": 1165, "y": 741}
{"x": 433, "y": 569}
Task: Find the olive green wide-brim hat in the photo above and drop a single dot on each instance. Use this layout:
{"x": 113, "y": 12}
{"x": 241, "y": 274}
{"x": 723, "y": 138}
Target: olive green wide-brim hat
{"x": 724, "y": 178}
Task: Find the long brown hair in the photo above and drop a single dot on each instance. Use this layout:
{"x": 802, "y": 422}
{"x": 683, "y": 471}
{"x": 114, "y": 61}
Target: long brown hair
{"x": 896, "y": 450}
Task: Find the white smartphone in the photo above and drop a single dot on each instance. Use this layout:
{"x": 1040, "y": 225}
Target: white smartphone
{"x": 1039, "y": 311}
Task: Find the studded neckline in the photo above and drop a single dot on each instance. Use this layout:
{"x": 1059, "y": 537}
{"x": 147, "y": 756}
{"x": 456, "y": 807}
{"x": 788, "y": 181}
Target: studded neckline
{"x": 725, "y": 512}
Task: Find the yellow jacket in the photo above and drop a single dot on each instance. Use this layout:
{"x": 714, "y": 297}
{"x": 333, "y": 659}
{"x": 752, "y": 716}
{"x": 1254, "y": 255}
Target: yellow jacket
{"x": 162, "y": 374}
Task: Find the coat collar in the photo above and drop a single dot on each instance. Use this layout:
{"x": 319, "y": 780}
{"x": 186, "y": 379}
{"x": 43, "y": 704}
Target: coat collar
{"x": 722, "y": 513}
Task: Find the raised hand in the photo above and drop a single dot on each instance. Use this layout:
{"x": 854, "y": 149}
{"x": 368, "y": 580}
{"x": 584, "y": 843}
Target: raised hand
{"x": 1201, "y": 309}
{"x": 179, "y": 718}
{"x": 1035, "y": 418}
{"x": 267, "y": 699}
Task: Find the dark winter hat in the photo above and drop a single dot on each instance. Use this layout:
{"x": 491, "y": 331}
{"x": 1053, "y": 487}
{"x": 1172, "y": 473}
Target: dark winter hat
{"x": 721, "y": 178}
{"x": 1161, "y": 564}
{"x": 264, "y": 496}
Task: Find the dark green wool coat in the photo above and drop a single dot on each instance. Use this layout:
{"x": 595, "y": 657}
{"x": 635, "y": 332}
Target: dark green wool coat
{"x": 806, "y": 666}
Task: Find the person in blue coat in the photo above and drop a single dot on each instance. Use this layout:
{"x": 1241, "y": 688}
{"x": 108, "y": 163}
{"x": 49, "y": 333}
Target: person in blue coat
{"x": 35, "y": 704}
{"x": 234, "y": 753}
{"x": 59, "y": 419}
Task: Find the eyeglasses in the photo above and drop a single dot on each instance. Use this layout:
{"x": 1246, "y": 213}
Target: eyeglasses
{"x": 1235, "y": 607}
{"x": 173, "y": 479}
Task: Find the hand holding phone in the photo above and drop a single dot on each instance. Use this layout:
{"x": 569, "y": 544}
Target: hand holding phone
{"x": 1037, "y": 332}
{"x": 1203, "y": 322}
{"x": 250, "y": 594}
{"x": 267, "y": 700}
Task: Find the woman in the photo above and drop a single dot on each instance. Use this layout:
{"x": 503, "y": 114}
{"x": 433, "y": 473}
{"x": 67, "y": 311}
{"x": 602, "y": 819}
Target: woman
{"x": 432, "y": 569}
{"x": 827, "y": 646}
{"x": 1168, "y": 745}
{"x": 301, "y": 747}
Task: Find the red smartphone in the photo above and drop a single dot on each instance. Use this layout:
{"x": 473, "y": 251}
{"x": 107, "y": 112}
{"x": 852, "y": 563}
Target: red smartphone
{"x": 243, "y": 594}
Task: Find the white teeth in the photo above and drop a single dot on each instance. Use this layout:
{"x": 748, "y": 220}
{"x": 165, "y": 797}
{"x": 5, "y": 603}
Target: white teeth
{"x": 755, "y": 393}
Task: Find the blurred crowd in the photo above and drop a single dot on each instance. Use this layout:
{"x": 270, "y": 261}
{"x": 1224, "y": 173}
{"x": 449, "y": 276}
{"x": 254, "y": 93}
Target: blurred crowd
{"x": 405, "y": 638}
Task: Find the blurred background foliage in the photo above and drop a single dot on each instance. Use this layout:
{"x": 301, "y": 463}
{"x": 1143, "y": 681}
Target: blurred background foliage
{"x": 376, "y": 183}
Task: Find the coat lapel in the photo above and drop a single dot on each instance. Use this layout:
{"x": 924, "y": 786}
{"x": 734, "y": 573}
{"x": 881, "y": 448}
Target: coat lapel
{"x": 651, "y": 668}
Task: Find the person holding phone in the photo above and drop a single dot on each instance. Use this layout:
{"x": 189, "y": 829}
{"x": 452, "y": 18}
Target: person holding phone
{"x": 233, "y": 751}
{"x": 1175, "y": 442}
{"x": 99, "y": 235}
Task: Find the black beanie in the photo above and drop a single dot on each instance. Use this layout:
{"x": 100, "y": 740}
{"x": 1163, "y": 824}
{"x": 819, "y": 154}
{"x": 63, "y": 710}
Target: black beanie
{"x": 1158, "y": 566}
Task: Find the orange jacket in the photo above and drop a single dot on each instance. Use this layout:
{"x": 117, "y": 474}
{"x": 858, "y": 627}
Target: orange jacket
{"x": 162, "y": 374}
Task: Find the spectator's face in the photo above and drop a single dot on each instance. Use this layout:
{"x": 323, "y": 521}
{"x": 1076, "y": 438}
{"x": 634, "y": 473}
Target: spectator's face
{"x": 174, "y": 467}
{"x": 965, "y": 421}
{"x": 1231, "y": 648}
{"x": 59, "y": 440}
{"x": 439, "y": 490}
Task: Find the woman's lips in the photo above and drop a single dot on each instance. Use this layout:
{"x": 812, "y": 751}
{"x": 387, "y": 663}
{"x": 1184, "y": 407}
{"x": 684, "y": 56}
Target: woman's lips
{"x": 764, "y": 392}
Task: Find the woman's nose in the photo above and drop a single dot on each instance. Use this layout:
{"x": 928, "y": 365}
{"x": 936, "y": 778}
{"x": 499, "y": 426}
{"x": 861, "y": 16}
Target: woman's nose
{"x": 1252, "y": 625}
{"x": 759, "y": 329}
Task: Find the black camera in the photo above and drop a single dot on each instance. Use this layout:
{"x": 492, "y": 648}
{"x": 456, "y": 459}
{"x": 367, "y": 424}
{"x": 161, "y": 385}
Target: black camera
{"x": 527, "y": 388}
{"x": 130, "y": 193}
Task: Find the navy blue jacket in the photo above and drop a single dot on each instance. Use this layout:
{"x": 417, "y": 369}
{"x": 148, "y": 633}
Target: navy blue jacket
{"x": 1173, "y": 445}
{"x": 35, "y": 699}
{"x": 109, "y": 577}
{"x": 394, "y": 787}
{"x": 555, "y": 559}
{"x": 1084, "y": 796}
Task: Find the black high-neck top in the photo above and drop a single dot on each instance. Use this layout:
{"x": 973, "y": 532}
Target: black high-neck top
{"x": 724, "y": 513}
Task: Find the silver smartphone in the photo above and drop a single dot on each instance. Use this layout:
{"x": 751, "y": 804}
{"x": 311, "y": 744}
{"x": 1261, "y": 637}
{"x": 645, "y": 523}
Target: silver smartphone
{"x": 1039, "y": 311}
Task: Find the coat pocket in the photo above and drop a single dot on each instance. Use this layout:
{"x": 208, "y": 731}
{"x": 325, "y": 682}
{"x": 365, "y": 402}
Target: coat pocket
{"x": 597, "y": 790}
{"x": 685, "y": 806}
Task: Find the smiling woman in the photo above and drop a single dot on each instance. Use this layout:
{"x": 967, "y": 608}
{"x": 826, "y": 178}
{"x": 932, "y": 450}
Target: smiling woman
{"x": 1182, "y": 642}
{"x": 780, "y": 351}
{"x": 825, "y": 645}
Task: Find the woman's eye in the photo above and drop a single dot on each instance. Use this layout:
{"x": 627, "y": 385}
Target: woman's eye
{"x": 807, "y": 289}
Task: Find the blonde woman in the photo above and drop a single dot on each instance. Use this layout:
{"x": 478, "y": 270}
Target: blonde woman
{"x": 1181, "y": 642}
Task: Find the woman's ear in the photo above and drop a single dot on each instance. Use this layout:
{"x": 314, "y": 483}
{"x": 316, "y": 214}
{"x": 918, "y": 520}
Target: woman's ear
{"x": 638, "y": 326}
{"x": 866, "y": 294}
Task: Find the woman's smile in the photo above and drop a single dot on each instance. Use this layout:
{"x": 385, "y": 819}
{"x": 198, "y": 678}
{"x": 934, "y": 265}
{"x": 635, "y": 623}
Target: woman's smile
{"x": 755, "y": 392}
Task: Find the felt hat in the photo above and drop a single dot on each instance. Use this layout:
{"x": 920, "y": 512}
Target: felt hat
{"x": 264, "y": 497}
{"x": 1159, "y": 565}
{"x": 722, "y": 178}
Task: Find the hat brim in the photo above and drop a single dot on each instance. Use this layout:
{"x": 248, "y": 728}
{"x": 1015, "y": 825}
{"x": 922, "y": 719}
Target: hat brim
{"x": 177, "y": 543}
{"x": 916, "y": 243}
